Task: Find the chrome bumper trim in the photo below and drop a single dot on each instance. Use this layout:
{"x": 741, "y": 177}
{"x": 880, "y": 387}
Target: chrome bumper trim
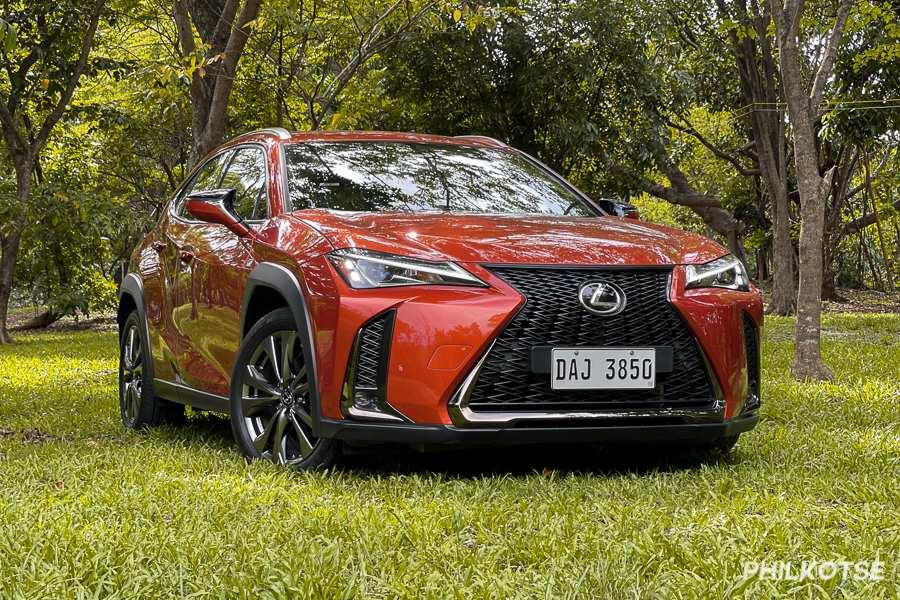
{"x": 463, "y": 416}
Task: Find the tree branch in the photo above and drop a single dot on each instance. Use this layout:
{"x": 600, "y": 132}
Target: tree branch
{"x": 718, "y": 152}
{"x": 225, "y": 81}
{"x": 183, "y": 24}
{"x": 831, "y": 48}
{"x": 864, "y": 221}
{"x": 58, "y": 110}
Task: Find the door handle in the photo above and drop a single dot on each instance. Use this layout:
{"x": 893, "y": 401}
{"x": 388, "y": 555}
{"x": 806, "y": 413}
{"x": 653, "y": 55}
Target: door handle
{"x": 158, "y": 245}
{"x": 186, "y": 256}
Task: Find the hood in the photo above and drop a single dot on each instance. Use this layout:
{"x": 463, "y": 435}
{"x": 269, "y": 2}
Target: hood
{"x": 506, "y": 239}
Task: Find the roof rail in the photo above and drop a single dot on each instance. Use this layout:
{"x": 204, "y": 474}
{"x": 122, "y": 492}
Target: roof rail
{"x": 281, "y": 132}
{"x": 481, "y": 138}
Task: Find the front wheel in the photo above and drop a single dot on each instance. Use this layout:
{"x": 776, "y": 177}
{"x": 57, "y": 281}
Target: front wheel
{"x": 271, "y": 404}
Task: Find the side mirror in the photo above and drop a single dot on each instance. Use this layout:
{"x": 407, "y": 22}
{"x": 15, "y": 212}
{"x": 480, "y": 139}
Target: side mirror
{"x": 620, "y": 209}
{"x": 217, "y": 206}
{"x": 628, "y": 211}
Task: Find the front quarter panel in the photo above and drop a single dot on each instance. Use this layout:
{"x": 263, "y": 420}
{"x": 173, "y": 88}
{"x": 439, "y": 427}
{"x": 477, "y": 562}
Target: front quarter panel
{"x": 716, "y": 317}
{"x": 439, "y": 333}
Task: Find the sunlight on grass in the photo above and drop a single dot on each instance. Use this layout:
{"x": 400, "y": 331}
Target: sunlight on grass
{"x": 87, "y": 508}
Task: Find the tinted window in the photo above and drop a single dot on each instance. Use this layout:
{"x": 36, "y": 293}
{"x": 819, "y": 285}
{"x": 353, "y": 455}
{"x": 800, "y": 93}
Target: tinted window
{"x": 246, "y": 173}
{"x": 380, "y": 176}
{"x": 207, "y": 178}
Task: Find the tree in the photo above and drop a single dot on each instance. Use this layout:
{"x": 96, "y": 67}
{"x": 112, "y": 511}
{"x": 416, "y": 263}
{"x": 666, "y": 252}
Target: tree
{"x": 751, "y": 47}
{"x": 47, "y": 50}
{"x": 212, "y": 63}
{"x": 316, "y": 49}
{"x": 804, "y": 101}
{"x": 568, "y": 84}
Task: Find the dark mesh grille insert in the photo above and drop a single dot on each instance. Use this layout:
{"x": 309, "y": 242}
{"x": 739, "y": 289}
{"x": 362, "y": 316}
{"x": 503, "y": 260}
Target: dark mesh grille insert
{"x": 553, "y": 316}
{"x": 751, "y": 340}
{"x": 370, "y": 352}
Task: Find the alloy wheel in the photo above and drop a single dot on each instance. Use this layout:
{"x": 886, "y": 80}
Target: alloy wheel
{"x": 132, "y": 375}
{"x": 275, "y": 400}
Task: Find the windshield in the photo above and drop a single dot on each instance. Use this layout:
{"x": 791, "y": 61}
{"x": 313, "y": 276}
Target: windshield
{"x": 416, "y": 177}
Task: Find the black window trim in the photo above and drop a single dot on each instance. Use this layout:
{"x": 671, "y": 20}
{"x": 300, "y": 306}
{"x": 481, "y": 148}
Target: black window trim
{"x": 231, "y": 151}
{"x": 286, "y": 181}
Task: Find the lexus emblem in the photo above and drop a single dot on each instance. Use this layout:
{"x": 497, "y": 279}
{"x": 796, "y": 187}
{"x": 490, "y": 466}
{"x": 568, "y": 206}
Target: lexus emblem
{"x": 602, "y": 298}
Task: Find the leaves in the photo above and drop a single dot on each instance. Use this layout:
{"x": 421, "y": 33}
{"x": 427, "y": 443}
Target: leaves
{"x": 8, "y": 36}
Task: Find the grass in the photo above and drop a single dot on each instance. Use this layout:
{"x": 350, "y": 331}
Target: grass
{"x": 88, "y": 509}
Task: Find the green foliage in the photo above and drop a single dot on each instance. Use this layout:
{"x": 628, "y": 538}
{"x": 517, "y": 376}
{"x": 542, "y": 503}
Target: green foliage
{"x": 8, "y": 33}
{"x": 587, "y": 87}
{"x": 88, "y": 509}
{"x": 565, "y": 83}
{"x": 66, "y": 260}
{"x": 44, "y": 37}
{"x": 867, "y": 103}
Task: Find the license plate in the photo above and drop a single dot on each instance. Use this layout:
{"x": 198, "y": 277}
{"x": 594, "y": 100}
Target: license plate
{"x": 603, "y": 368}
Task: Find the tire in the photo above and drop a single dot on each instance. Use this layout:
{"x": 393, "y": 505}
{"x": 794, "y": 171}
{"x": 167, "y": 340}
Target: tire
{"x": 138, "y": 407}
{"x": 724, "y": 445}
{"x": 271, "y": 405}
{"x": 720, "y": 447}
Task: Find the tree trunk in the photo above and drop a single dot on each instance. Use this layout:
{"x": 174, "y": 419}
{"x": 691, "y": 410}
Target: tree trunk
{"x": 9, "y": 248}
{"x": 9, "y": 252}
{"x": 760, "y": 86}
{"x": 829, "y": 276}
{"x": 224, "y": 31}
{"x": 762, "y": 264}
{"x": 41, "y": 321}
{"x": 803, "y": 105}
{"x": 784, "y": 282}
{"x": 759, "y": 78}
{"x": 808, "y": 362}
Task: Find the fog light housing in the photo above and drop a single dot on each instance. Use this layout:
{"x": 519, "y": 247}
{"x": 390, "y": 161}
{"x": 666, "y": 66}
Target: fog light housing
{"x": 365, "y": 384}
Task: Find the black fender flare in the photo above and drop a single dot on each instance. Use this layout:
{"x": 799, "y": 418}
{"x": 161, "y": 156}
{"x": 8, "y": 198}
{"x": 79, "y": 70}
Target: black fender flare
{"x": 133, "y": 286}
{"x": 283, "y": 281}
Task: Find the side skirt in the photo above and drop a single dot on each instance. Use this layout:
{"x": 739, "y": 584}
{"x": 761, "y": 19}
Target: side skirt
{"x": 183, "y": 394}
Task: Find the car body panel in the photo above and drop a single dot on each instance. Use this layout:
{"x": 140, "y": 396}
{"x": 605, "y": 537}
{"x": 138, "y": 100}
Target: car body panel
{"x": 499, "y": 239}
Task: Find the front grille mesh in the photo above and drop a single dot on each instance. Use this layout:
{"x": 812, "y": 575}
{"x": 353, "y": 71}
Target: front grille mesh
{"x": 371, "y": 350}
{"x": 553, "y": 316}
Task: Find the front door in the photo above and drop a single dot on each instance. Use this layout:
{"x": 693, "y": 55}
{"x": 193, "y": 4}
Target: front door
{"x": 215, "y": 265}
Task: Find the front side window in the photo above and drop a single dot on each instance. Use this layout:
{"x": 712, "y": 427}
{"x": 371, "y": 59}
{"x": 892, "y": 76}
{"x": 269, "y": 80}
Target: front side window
{"x": 417, "y": 177}
{"x": 246, "y": 173}
{"x": 206, "y": 178}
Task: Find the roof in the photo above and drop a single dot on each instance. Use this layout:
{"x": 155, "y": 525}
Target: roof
{"x": 284, "y": 135}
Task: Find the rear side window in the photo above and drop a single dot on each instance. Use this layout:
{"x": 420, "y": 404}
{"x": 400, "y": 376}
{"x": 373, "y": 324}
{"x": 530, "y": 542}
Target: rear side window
{"x": 246, "y": 173}
{"x": 207, "y": 178}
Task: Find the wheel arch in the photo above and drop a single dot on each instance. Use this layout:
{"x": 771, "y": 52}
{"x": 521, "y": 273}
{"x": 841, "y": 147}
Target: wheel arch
{"x": 271, "y": 286}
{"x": 131, "y": 298}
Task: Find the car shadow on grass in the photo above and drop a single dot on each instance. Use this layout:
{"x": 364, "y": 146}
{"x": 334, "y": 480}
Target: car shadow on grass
{"x": 477, "y": 462}
{"x": 202, "y": 428}
{"x": 214, "y": 430}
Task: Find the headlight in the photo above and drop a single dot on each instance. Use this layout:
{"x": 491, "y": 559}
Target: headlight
{"x": 726, "y": 272}
{"x": 369, "y": 269}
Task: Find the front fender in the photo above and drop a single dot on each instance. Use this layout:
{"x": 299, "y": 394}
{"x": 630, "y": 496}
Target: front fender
{"x": 280, "y": 279}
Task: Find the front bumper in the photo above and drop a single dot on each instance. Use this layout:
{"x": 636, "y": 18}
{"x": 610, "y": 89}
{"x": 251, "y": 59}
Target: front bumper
{"x": 408, "y": 433}
{"x": 437, "y": 351}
